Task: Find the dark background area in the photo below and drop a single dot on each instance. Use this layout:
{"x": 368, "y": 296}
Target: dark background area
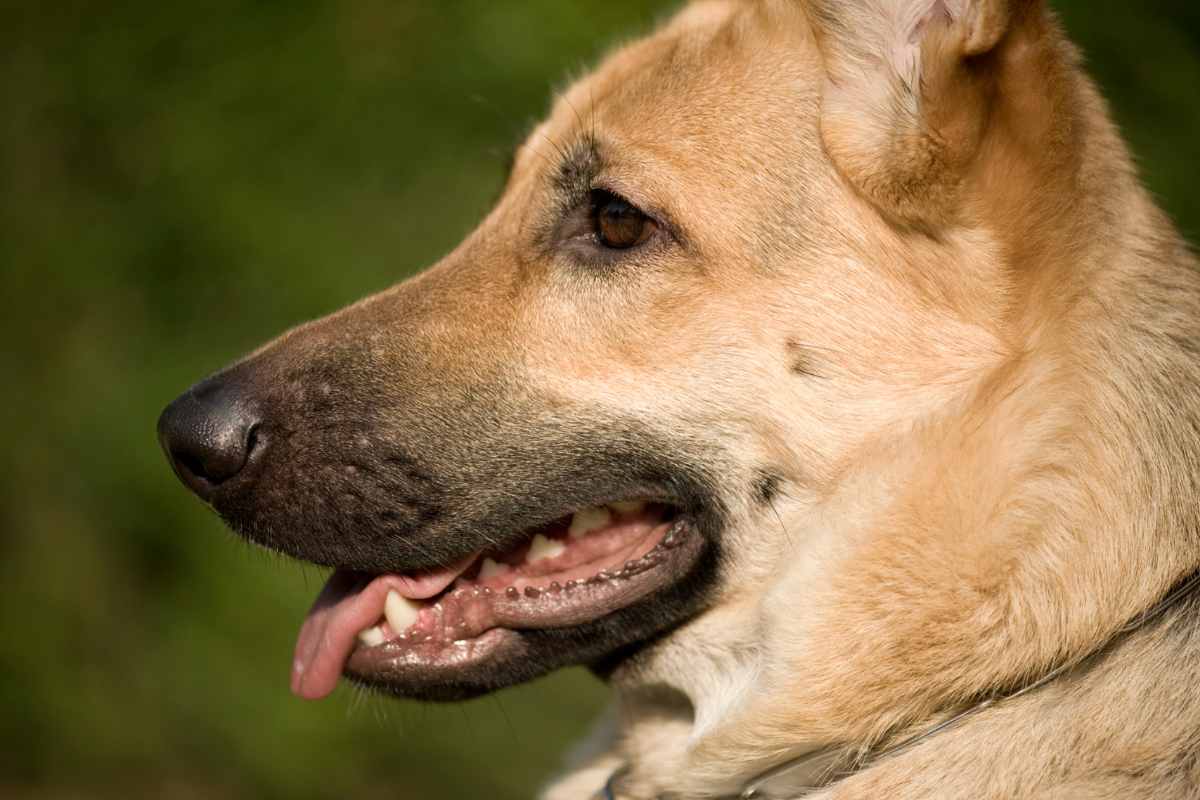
{"x": 179, "y": 183}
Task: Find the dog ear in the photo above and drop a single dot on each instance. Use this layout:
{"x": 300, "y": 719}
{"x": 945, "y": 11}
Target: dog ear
{"x": 909, "y": 85}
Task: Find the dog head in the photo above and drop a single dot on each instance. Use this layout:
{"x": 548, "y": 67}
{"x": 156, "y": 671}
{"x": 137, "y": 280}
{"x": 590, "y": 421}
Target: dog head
{"x": 700, "y": 378}
{"x": 680, "y": 300}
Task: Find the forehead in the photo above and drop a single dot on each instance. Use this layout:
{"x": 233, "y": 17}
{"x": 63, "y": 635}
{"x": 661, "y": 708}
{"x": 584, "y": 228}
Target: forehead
{"x": 706, "y": 91}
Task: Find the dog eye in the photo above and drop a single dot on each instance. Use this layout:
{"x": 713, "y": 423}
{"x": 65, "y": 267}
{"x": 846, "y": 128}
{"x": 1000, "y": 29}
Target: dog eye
{"x": 617, "y": 224}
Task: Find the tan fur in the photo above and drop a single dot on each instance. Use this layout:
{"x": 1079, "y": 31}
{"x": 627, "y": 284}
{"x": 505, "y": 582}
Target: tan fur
{"x": 919, "y": 280}
{"x": 1028, "y": 491}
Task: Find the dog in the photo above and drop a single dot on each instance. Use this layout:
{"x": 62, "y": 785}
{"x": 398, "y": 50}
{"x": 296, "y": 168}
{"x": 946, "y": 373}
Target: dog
{"x": 824, "y": 379}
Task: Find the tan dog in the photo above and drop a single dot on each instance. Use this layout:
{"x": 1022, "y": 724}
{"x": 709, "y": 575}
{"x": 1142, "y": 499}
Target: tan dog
{"x": 823, "y": 372}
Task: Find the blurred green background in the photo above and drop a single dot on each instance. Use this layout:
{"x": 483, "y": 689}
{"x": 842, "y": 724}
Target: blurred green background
{"x": 177, "y": 184}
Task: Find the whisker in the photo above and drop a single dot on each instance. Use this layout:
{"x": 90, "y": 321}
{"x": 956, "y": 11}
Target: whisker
{"x": 578, "y": 116}
{"x": 562, "y": 153}
{"x": 592, "y": 112}
{"x": 778, "y": 518}
{"x": 512, "y": 729}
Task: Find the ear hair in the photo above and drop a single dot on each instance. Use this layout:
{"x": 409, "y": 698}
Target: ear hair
{"x": 906, "y": 96}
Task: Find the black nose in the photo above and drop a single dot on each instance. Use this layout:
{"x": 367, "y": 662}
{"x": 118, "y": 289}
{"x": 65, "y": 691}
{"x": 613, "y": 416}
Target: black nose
{"x": 210, "y": 434}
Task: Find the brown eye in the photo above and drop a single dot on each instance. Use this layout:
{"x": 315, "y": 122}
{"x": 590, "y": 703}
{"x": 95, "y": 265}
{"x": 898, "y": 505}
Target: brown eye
{"x": 618, "y": 225}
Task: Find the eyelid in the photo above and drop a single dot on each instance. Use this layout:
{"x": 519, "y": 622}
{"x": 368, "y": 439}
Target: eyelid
{"x": 651, "y": 211}
{"x": 617, "y": 192}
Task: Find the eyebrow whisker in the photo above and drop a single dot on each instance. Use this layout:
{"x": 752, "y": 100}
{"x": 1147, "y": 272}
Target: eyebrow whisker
{"x": 592, "y": 111}
{"x": 578, "y": 116}
{"x": 547, "y": 160}
{"x": 562, "y": 152}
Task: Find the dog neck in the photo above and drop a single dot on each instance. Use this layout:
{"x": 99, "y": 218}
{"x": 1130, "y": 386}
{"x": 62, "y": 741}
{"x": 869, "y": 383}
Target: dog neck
{"x": 815, "y": 770}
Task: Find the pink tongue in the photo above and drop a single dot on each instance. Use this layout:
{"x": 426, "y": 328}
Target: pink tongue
{"x": 350, "y": 603}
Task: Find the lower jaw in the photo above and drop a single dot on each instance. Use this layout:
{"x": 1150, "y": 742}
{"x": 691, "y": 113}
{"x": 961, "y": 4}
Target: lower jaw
{"x": 439, "y": 672}
{"x": 631, "y": 611}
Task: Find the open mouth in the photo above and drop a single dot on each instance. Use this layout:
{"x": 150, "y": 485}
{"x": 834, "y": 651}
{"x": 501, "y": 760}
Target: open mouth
{"x": 384, "y": 629}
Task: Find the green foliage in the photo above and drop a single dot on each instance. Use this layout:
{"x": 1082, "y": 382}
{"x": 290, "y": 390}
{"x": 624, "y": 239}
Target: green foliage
{"x": 179, "y": 183}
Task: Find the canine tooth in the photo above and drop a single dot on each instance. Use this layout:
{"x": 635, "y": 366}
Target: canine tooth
{"x": 372, "y": 637}
{"x": 543, "y": 548}
{"x": 628, "y": 506}
{"x": 491, "y": 569}
{"x": 588, "y": 520}
{"x": 401, "y": 612}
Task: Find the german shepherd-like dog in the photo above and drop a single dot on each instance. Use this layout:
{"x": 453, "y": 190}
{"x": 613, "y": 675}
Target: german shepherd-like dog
{"x": 824, "y": 379}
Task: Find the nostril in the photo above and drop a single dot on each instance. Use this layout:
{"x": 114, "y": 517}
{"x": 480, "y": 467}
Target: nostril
{"x": 252, "y": 440}
{"x": 209, "y": 454}
{"x": 209, "y": 434}
{"x": 189, "y": 464}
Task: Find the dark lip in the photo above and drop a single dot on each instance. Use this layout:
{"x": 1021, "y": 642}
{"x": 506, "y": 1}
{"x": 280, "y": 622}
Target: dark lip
{"x": 551, "y": 519}
{"x": 455, "y": 670}
{"x": 459, "y": 675}
{"x": 452, "y": 543}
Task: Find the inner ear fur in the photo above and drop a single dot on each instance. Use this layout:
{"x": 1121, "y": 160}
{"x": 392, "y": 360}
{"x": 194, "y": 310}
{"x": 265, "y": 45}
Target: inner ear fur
{"x": 909, "y": 87}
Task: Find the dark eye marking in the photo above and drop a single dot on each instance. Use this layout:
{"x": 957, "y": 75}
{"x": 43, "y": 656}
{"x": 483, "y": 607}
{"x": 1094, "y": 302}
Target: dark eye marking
{"x": 766, "y": 487}
{"x": 801, "y": 359}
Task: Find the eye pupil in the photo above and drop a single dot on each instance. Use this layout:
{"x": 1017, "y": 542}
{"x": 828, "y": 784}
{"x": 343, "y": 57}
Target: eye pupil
{"x": 618, "y": 224}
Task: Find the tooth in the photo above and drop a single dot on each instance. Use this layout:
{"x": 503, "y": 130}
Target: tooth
{"x": 628, "y": 506}
{"x": 401, "y": 612}
{"x": 588, "y": 520}
{"x": 543, "y": 548}
{"x": 491, "y": 569}
{"x": 372, "y": 637}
